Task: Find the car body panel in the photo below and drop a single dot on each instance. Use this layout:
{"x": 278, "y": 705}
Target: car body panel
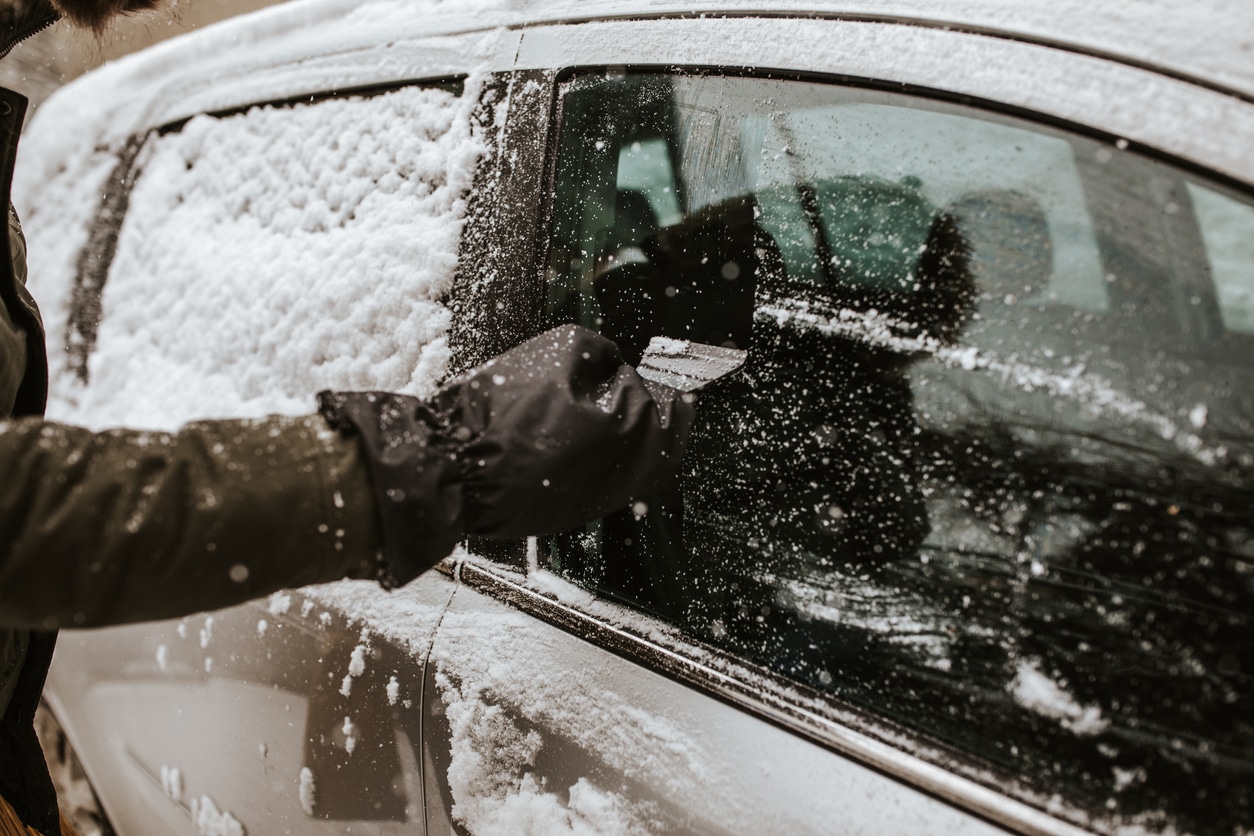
{"x": 239, "y": 702}
{"x": 608, "y": 746}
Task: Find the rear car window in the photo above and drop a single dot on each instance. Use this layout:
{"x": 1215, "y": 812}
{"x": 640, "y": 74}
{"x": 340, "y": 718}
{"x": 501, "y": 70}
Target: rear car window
{"x": 266, "y": 254}
{"x": 989, "y": 471}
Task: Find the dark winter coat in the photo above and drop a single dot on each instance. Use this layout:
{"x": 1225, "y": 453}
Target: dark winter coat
{"x": 213, "y": 515}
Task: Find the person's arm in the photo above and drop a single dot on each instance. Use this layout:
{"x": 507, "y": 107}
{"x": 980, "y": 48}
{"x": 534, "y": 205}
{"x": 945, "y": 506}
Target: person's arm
{"x": 122, "y": 526}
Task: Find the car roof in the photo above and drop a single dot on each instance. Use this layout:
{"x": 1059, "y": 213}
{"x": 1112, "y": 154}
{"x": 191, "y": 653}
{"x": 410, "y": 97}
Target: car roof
{"x": 1203, "y": 51}
{"x": 1209, "y": 42}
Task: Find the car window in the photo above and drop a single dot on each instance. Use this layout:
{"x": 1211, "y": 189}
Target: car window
{"x": 265, "y": 254}
{"x": 1228, "y": 231}
{"x": 987, "y": 472}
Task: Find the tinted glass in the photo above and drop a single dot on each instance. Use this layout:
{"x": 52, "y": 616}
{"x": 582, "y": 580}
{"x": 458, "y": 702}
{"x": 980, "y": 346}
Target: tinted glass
{"x": 988, "y": 471}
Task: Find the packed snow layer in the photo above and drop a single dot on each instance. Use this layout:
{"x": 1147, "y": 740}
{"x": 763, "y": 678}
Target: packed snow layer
{"x": 406, "y": 618}
{"x": 277, "y": 252}
{"x": 1206, "y": 39}
{"x": 304, "y": 46}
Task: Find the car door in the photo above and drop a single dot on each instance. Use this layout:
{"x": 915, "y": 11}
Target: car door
{"x": 967, "y": 544}
{"x": 242, "y": 260}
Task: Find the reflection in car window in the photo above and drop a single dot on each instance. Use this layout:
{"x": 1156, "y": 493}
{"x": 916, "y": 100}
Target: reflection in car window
{"x": 985, "y": 473}
{"x": 1228, "y": 230}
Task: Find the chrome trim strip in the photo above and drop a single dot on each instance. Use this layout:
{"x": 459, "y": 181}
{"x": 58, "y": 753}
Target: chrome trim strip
{"x": 779, "y": 704}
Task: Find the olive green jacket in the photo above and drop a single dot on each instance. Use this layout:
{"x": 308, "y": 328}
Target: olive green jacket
{"x": 120, "y": 526}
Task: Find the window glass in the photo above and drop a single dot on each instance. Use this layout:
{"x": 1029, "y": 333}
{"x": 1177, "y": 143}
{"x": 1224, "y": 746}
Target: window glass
{"x": 985, "y": 472}
{"x": 1228, "y": 230}
{"x": 270, "y": 253}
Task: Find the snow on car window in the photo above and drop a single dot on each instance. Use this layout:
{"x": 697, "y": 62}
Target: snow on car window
{"x": 272, "y": 253}
{"x": 988, "y": 471}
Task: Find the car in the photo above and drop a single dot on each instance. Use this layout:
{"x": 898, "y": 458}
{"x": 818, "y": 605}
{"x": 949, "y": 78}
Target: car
{"x": 966, "y": 547}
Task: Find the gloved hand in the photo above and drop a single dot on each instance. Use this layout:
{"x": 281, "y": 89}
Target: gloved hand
{"x": 545, "y": 437}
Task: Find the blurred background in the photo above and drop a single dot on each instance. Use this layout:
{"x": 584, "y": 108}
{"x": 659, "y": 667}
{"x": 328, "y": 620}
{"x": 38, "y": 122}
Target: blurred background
{"x": 62, "y": 53}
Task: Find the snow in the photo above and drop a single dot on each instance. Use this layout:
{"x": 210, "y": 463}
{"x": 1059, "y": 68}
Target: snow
{"x": 350, "y": 735}
{"x": 667, "y": 346}
{"x": 605, "y": 720}
{"x": 357, "y": 662}
{"x": 307, "y": 790}
{"x": 1206, "y": 38}
{"x": 406, "y": 617}
{"x": 271, "y": 254}
{"x": 1156, "y": 111}
{"x": 172, "y": 783}
{"x": 487, "y": 674}
{"x": 348, "y": 296}
{"x": 280, "y": 603}
{"x": 1125, "y": 778}
{"x": 356, "y": 667}
{"x": 1035, "y": 691}
{"x": 1092, "y": 394}
{"x": 210, "y": 821}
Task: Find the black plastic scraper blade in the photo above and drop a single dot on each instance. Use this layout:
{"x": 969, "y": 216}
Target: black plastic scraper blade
{"x": 687, "y": 366}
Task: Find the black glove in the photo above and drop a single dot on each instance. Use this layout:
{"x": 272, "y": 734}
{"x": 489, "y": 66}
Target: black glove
{"x": 543, "y": 438}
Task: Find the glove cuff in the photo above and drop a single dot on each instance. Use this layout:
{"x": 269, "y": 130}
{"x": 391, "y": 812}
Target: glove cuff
{"x": 414, "y": 474}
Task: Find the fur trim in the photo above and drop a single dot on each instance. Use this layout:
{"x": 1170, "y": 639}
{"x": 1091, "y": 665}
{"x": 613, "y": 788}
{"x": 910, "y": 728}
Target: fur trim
{"x": 96, "y": 14}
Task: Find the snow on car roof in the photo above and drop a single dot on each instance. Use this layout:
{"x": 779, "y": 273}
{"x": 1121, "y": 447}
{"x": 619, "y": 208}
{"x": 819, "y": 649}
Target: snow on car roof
{"x": 233, "y": 62}
{"x": 1208, "y": 41}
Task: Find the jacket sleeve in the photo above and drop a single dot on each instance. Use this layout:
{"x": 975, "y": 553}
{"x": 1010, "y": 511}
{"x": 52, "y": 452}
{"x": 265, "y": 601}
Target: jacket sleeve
{"x": 120, "y": 526}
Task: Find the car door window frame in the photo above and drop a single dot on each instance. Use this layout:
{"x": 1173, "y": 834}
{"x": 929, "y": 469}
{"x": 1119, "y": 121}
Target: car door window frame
{"x": 905, "y": 754}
